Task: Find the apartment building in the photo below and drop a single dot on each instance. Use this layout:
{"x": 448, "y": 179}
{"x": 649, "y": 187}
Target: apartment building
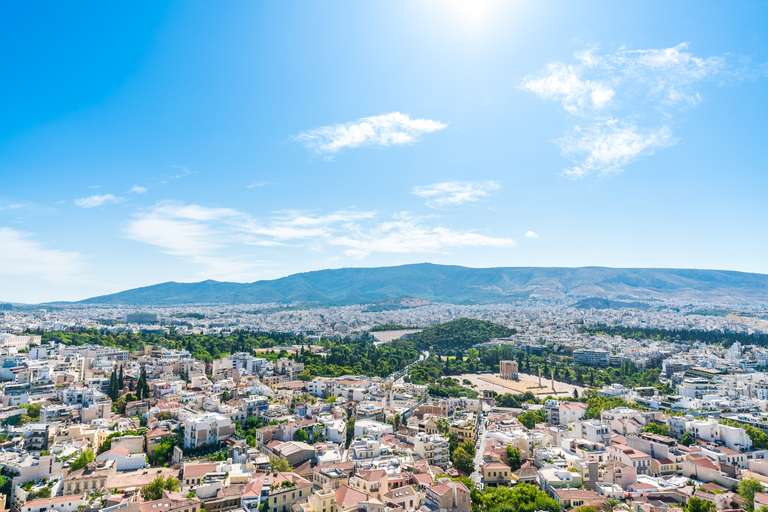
{"x": 591, "y": 357}
{"x": 208, "y": 428}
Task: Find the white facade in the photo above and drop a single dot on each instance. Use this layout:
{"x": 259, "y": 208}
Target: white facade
{"x": 204, "y": 429}
{"x": 591, "y": 357}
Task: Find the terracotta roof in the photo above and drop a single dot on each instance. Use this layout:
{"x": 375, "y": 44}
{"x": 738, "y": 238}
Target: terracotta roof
{"x": 495, "y": 465}
{"x": 118, "y": 450}
{"x": 198, "y": 469}
{"x": 526, "y": 472}
{"x": 704, "y": 462}
{"x": 761, "y": 498}
{"x": 141, "y": 477}
{"x": 372, "y": 475}
{"x": 253, "y": 488}
{"x": 400, "y": 492}
{"x": 158, "y": 432}
{"x": 230, "y": 490}
{"x": 711, "y": 487}
{"x": 304, "y": 469}
{"x": 445, "y": 487}
{"x": 161, "y": 505}
{"x": 423, "y": 478}
{"x": 347, "y": 496}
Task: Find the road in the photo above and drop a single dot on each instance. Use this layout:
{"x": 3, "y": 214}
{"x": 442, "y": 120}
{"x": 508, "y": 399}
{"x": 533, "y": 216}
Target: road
{"x": 397, "y": 376}
{"x": 477, "y": 476}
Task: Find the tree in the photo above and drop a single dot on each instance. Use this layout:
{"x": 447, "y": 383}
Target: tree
{"x": 530, "y": 418}
{"x": 113, "y": 391}
{"x": 520, "y": 498}
{"x": 443, "y": 426}
{"x": 350, "y": 428}
{"x": 473, "y": 354}
{"x": 463, "y": 461}
{"x": 698, "y": 505}
{"x": 119, "y": 405}
{"x": 142, "y": 388}
{"x": 301, "y": 436}
{"x": 224, "y": 396}
{"x": 513, "y": 457}
{"x": 748, "y": 487}
{"x": 610, "y": 504}
{"x": 397, "y": 422}
{"x": 82, "y": 460}
{"x": 280, "y": 465}
{"x": 120, "y": 380}
{"x": 687, "y": 439}
{"x": 154, "y": 490}
{"x": 655, "y": 428}
{"x": 575, "y": 393}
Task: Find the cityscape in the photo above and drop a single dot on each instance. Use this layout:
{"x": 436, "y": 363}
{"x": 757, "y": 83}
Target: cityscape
{"x": 384, "y": 256}
{"x": 107, "y": 407}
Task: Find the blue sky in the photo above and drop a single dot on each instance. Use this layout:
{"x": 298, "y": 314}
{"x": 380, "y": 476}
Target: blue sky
{"x": 183, "y": 141}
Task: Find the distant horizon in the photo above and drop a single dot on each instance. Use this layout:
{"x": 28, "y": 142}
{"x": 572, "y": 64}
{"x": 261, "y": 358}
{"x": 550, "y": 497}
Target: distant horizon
{"x": 239, "y": 142}
{"x": 341, "y": 283}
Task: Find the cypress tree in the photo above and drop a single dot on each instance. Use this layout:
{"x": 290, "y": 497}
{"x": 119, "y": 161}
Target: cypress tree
{"x": 113, "y": 390}
{"x": 120, "y": 381}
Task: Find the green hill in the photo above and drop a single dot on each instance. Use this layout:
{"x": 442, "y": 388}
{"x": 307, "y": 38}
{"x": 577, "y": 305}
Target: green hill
{"x": 453, "y": 284}
{"x": 462, "y": 333}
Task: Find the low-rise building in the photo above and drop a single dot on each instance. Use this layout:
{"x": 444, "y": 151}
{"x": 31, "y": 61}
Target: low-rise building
{"x": 497, "y": 473}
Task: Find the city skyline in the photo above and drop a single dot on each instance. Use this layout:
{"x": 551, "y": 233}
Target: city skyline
{"x": 181, "y": 142}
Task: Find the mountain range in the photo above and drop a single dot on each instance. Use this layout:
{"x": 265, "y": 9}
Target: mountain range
{"x": 455, "y": 284}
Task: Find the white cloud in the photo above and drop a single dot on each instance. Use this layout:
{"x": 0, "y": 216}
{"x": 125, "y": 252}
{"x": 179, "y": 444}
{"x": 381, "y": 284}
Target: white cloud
{"x": 383, "y": 130}
{"x": 95, "y": 200}
{"x": 607, "y": 146}
{"x": 452, "y": 193}
{"x": 222, "y": 238}
{"x": 138, "y": 190}
{"x": 409, "y": 237}
{"x": 184, "y": 171}
{"x": 562, "y": 83}
{"x": 531, "y": 234}
{"x": 23, "y": 256}
{"x": 628, "y": 99}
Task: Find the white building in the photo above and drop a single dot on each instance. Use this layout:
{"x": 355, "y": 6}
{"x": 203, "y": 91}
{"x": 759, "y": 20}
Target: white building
{"x": 209, "y": 428}
{"x": 591, "y": 357}
{"x": 124, "y": 459}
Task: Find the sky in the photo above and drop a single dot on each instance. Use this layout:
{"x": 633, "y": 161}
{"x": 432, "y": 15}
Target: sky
{"x": 147, "y": 142}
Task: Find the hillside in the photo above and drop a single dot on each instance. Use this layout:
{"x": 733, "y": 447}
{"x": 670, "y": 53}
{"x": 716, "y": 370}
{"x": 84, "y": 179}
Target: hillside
{"x": 462, "y": 333}
{"x": 444, "y": 283}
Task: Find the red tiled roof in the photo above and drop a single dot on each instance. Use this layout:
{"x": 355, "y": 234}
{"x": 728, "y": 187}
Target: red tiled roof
{"x": 119, "y": 450}
{"x": 199, "y": 469}
{"x": 347, "y": 496}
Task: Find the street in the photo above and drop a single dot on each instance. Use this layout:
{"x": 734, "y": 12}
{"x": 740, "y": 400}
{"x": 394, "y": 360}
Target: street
{"x": 477, "y": 476}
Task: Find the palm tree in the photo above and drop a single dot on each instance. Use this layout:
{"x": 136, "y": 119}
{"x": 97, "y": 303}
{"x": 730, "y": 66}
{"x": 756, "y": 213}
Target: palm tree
{"x": 610, "y": 504}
